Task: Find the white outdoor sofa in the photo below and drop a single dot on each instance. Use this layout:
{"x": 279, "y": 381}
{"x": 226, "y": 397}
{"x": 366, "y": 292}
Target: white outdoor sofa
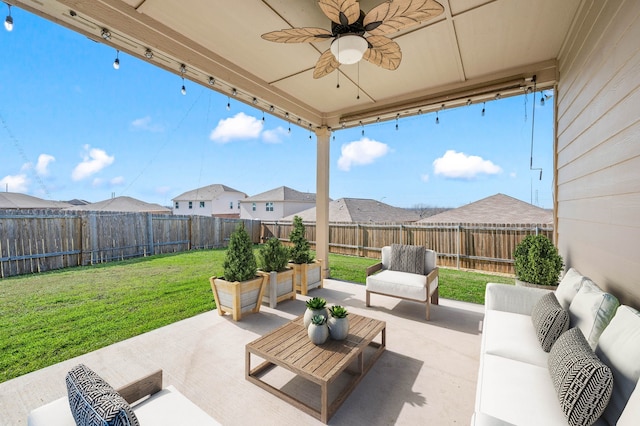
{"x": 419, "y": 285}
{"x": 151, "y": 404}
{"x": 517, "y": 379}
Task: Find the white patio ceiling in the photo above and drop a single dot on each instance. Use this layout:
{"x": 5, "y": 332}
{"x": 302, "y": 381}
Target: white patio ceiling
{"x": 475, "y": 50}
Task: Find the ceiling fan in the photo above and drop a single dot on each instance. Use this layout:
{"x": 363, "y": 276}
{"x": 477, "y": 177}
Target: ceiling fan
{"x": 357, "y": 35}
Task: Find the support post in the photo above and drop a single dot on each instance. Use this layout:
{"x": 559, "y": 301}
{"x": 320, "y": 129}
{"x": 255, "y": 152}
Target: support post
{"x": 323, "y": 135}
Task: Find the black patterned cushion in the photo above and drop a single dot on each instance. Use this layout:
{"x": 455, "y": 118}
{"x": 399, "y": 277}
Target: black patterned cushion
{"x": 583, "y": 383}
{"x": 94, "y": 402}
{"x": 406, "y": 258}
{"x": 549, "y": 320}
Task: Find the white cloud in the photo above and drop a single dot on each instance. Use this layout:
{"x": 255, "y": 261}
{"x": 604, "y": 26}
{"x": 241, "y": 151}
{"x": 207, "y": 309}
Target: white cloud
{"x": 94, "y": 160}
{"x": 458, "y": 165}
{"x": 42, "y": 167}
{"x": 145, "y": 123}
{"x": 240, "y": 126}
{"x": 116, "y": 181}
{"x": 15, "y": 183}
{"x": 274, "y": 135}
{"x": 358, "y": 153}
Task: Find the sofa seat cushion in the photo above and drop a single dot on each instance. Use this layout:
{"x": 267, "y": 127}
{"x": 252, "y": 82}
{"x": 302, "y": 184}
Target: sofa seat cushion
{"x": 517, "y": 392}
{"x": 512, "y": 336}
{"x": 399, "y": 284}
{"x": 591, "y": 310}
{"x": 168, "y": 407}
{"x": 582, "y": 381}
{"x": 631, "y": 414}
{"x": 619, "y": 348}
{"x": 549, "y": 320}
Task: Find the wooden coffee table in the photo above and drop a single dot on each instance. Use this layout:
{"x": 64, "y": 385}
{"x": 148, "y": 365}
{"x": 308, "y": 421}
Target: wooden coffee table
{"x": 289, "y": 347}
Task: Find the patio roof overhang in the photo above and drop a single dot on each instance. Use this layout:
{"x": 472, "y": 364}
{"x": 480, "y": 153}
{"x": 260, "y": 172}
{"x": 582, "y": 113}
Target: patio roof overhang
{"x": 474, "y": 51}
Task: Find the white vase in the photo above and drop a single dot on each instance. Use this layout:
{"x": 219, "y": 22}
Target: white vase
{"x": 318, "y": 333}
{"x": 338, "y": 328}
{"x": 309, "y": 313}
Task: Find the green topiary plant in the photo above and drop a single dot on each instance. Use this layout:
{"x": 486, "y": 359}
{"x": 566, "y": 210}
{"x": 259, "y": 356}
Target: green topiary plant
{"x": 273, "y": 256}
{"x": 239, "y": 261}
{"x": 536, "y": 260}
{"x": 338, "y": 311}
{"x": 300, "y": 252}
{"x": 316, "y": 303}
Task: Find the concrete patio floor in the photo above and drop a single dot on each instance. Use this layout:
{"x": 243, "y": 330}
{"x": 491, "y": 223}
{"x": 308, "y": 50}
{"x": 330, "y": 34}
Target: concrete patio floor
{"x": 427, "y": 375}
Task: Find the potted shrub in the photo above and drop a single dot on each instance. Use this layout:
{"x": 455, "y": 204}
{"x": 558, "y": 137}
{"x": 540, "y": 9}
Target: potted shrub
{"x": 338, "y": 322}
{"x": 308, "y": 273}
{"x": 241, "y": 288}
{"x": 273, "y": 258}
{"x": 537, "y": 262}
{"x": 318, "y": 331}
{"x": 315, "y": 306}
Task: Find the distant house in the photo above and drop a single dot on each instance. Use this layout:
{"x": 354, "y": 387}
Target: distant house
{"x": 496, "y": 209}
{"x": 14, "y": 200}
{"x": 212, "y": 200}
{"x": 360, "y": 210}
{"x": 122, "y": 204}
{"x": 276, "y": 204}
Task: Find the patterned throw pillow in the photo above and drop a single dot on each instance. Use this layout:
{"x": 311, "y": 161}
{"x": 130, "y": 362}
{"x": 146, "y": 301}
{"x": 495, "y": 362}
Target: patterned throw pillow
{"x": 94, "y": 402}
{"x": 549, "y": 320}
{"x": 583, "y": 382}
{"x": 405, "y": 258}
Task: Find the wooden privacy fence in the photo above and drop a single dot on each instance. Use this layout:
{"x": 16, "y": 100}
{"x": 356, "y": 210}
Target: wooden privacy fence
{"x": 35, "y": 241}
{"x": 487, "y": 247}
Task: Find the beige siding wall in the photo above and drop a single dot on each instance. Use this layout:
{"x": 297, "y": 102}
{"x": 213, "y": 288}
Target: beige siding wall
{"x": 598, "y": 146}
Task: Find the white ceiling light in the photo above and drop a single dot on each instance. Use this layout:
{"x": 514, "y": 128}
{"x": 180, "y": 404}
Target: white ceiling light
{"x": 349, "y": 48}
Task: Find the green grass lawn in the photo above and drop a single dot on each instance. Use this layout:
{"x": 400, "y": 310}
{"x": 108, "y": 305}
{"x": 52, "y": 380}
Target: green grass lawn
{"x": 51, "y": 317}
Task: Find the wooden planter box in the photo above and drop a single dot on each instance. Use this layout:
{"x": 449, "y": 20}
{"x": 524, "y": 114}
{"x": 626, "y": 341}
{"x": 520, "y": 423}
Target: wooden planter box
{"x": 238, "y": 298}
{"x": 307, "y": 276}
{"x": 278, "y": 286}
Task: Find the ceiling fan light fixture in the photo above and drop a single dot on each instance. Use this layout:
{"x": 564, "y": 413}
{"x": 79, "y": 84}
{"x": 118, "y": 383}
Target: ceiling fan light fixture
{"x": 349, "y": 48}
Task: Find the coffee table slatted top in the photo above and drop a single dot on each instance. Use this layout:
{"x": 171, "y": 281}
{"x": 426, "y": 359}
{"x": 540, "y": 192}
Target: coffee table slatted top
{"x": 290, "y": 344}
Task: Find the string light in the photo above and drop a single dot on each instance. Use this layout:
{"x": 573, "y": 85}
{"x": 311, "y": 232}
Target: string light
{"x": 362, "y": 125}
{"x": 483, "y": 108}
{"x": 234, "y": 92}
{"x": 148, "y": 54}
{"x": 271, "y": 108}
{"x": 212, "y": 81}
{"x": 255, "y": 101}
{"x": 228, "y": 103}
{"x": 8, "y": 22}
{"x": 105, "y": 34}
{"x": 437, "y": 118}
{"x": 183, "y": 69}
{"x": 397, "y": 117}
{"x": 116, "y": 63}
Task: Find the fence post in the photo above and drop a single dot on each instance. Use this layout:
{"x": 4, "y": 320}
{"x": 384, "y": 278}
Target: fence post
{"x": 401, "y": 235}
{"x": 357, "y": 239}
{"x": 458, "y": 245}
{"x": 150, "y": 234}
{"x": 93, "y": 232}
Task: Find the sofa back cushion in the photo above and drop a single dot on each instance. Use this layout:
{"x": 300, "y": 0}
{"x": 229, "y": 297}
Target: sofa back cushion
{"x": 93, "y": 402}
{"x": 582, "y": 381}
{"x": 619, "y": 347}
{"x": 549, "y": 320}
{"x": 428, "y": 264}
{"x": 591, "y": 310}
{"x": 569, "y": 287}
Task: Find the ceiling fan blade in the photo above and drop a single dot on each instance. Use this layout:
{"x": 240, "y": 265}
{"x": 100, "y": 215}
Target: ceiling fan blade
{"x": 298, "y": 35}
{"x": 326, "y": 64}
{"x": 383, "y": 52}
{"x": 393, "y": 16}
{"x": 344, "y": 12}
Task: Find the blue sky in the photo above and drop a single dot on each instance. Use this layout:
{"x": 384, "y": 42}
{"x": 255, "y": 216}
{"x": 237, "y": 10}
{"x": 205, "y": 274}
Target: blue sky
{"x": 71, "y": 126}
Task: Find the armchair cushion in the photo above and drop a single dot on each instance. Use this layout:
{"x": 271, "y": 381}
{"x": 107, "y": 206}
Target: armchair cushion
{"x": 94, "y": 402}
{"x": 569, "y": 287}
{"x": 549, "y": 320}
{"x": 406, "y": 258}
{"x": 399, "y": 284}
{"x": 591, "y": 310}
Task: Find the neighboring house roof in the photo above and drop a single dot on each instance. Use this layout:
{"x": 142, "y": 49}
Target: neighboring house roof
{"x": 360, "y": 210}
{"x": 283, "y": 193}
{"x": 76, "y": 202}
{"x": 206, "y": 193}
{"x": 14, "y": 200}
{"x": 497, "y": 208}
{"x": 123, "y": 204}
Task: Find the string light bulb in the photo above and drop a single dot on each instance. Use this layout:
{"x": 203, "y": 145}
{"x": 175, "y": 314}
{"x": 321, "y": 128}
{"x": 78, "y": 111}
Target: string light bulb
{"x": 483, "y": 108}
{"x": 228, "y": 103}
{"x": 437, "y": 118}
{"x": 183, "y": 69}
{"x": 116, "y": 63}
{"x": 148, "y": 54}
{"x": 8, "y": 22}
{"x": 106, "y": 34}
{"x": 212, "y": 81}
